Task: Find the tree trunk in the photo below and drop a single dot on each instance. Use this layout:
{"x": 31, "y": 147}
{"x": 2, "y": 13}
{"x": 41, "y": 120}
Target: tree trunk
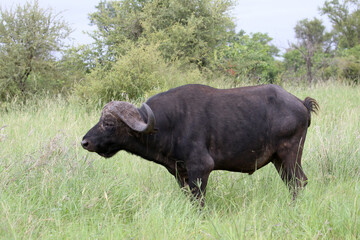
{"x": 308, "y": 70}
{"x": 22, "y": 80}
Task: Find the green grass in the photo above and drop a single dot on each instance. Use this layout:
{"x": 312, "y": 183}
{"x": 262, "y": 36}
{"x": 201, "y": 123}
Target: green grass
{"x": 50, "y": 188}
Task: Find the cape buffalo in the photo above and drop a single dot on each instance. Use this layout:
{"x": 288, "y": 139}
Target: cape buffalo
{"x": 194, "y": 129}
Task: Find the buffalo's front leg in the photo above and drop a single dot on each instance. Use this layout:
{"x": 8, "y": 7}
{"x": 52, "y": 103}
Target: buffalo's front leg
{"x": 197, "y": 184}
{"x": 181, "y": 174}
{"x": 192, "y": 179}
{"x": 178, "y": 170}
{"x": 198, "y": 175}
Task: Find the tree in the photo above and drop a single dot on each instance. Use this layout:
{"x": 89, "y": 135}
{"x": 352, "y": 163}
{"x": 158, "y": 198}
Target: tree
{"x": 144, "y": 45}
{"x": 345, "y": 18}
{"x": 312, "y": 39}
{"x": 293, "y": 61}
{"x": 251, "y": 57}
{"x": 29, "y": 38}
{"x": 118, "y": 23}
{"x": 188, "y": 30}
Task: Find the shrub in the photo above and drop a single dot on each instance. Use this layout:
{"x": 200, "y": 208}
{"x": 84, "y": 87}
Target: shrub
{"x": 130, "y": 77}
{"x": 346, "y": 65}
{"x": 140, "y": 73}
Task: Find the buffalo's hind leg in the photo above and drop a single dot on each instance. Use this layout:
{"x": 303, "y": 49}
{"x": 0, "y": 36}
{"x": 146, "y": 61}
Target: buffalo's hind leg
{"x": 288, "y": 163}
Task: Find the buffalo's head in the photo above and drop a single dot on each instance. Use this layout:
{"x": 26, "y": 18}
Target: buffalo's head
{"x": 119, "y": 122}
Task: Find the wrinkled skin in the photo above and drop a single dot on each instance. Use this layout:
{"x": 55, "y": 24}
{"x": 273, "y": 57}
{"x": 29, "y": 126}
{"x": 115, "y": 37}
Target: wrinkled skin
{"x": 195, "y": 129}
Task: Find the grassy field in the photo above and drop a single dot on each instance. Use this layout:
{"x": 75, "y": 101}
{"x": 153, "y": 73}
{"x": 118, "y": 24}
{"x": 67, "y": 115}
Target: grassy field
{"x": 50, "y": 188}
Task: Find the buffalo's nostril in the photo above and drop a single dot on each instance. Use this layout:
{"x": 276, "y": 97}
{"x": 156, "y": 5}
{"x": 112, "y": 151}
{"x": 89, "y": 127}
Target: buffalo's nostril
{"x": 84, "y": 143}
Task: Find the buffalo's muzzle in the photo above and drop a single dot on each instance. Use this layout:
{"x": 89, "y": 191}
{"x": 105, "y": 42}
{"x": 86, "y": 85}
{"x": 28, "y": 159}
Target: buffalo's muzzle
{"x": 84, "y": 144}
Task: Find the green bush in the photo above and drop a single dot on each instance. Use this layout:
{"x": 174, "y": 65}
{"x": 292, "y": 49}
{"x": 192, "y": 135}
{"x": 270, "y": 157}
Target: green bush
{"x": 30, "y": 38}
{"x": 130, "y": 76}
{"x": 140, "y": 73}
{"x": 345, "y": 66}
{"x": 249, "y": 58}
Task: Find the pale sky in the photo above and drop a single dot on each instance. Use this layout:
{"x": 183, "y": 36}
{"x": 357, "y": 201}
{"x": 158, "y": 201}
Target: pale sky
{"x": 275, "y": 17}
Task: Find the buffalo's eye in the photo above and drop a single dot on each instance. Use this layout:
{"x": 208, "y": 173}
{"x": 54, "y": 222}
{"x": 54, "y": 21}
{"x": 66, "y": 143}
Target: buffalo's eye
{"x": 108, "y": 124}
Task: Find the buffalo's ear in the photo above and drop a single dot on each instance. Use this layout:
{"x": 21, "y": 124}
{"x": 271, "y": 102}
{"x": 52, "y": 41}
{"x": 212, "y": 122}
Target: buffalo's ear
{"x": 130, "y": 115}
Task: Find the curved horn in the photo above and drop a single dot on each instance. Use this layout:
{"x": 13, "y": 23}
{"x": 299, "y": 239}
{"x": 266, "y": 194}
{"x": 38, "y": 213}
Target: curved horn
{"x": 130, "y": 115}
{"x": 150, "y": 125}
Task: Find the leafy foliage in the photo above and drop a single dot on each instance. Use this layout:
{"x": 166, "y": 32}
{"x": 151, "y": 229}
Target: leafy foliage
{"x": 117, "y": 22}
{"x": 144, "y": 46}
{"x": 187, "y": 30}
{"x": 313, "y": 46}
{"x": 250, "y": 57}
{"x": 29, "y": 36}
{"x": 138, "y": 43}
{"x": 346, "y": 65}
{"x": 345, "y": 16}
{"x": 140, "y": 71}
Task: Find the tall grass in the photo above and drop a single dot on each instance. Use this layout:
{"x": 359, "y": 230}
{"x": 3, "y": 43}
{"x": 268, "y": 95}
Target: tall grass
{"x": 52, "y": 189}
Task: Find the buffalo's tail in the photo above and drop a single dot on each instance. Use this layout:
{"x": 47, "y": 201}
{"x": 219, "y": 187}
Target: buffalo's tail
{"x": 312, "y": 106}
